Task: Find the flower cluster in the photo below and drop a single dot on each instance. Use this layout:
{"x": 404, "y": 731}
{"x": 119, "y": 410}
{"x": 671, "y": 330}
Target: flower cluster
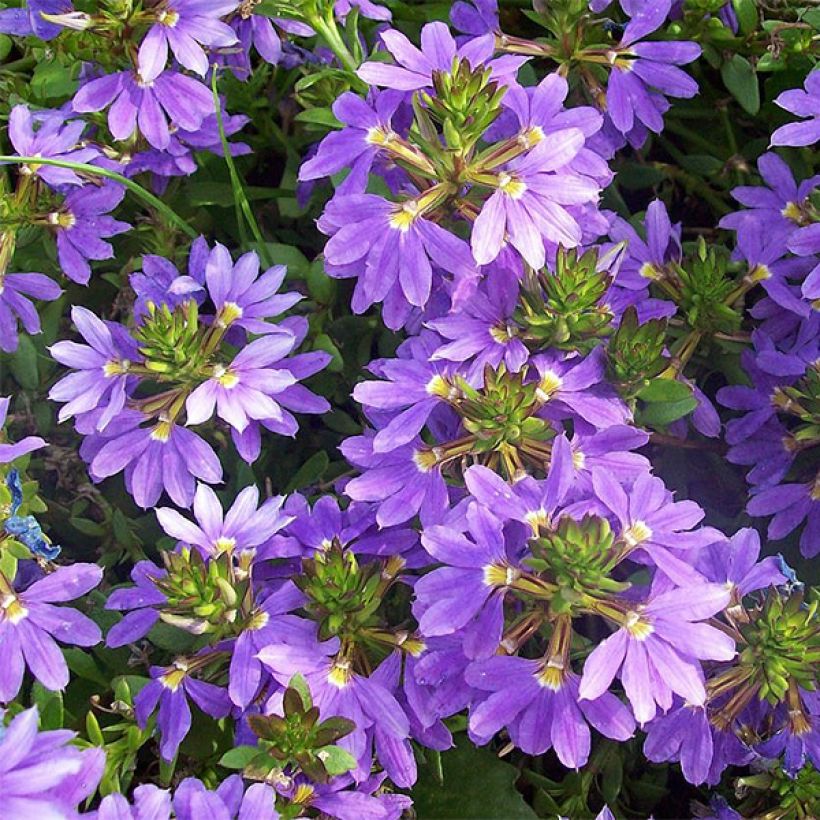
{"x": 506, "y": 549}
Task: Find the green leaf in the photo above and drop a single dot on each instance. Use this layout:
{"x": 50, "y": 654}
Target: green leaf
{"x": 336, "y": 759}
{"x": 318, "y": 116}
{"x": 298, "y": 683}
{"x": 23, "y": 364}
{"x": 740, "y": 78}
{"x": 665, "y": 390}
{"x": 663, "y": 413}
{"x": 310, "y": 472}
{"x": 746, "y": 11}
{"x": 5, "y": 46}
{"x": 50, "y": 79}
{"x": 49, "y": 705}
{"x": 239, "y": 757}
{"x": 324, "y": 342}
{"x": 474, "y": 783}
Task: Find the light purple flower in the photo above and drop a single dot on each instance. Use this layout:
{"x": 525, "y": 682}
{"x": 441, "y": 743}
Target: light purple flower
{"x": 14, "y": 304}
{"x": 42, "y": 774}
{"x": 28, "y": 20}
{"x": 55, "y": 137}
{"x": 391, "y": 248}
{"x": 540, "y": 707}
{"x": 653, "y": 527}
{"x": 806, "y": 242}
{"x": 529, "y": 205}
{"x": 791, "y": 504}
{"x": 30, "y": 625}
{"x": 244, "y": 389}
{"x": 640, "y": 69}
{"x": 438, "y": 50}
{"x": 185, "y": 26}
{"x": 368, "y": 128}
{"x": 803, "y": 103}
{"x": 81, "y": 224}
{"x": 657, "y": 649}
{"x": 338, "y": 690}
{"x": 160, "y": 456}
{"x": 170, "y": 687}
{"x": 154, "y": 106}
{"x": 149, "y": 803}
{"x": 239, "y": 531}
{"x": 101, "y": 380}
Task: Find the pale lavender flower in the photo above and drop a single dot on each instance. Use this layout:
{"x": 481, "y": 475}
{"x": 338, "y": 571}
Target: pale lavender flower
{"x": 803, "y": 103}
{"x": 101, "y": 380}
{"x": 154, "y": 106}
{"x": 238, "y": 532}
{"x": 657, "y": 650}
{"x": 185, "y": 26}
{"x": 30, "y": 626}
{"x": 54, "y": 137}
{"x": 15, "y": 288}
{"x": 42, "y": 774}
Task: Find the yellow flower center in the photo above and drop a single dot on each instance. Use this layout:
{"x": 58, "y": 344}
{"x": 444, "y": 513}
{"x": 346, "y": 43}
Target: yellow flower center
{"x": 552, "y": 675}
{"x": 404, "y": 216}
{"x": 227, "y": 378}
{"x": 638, "y": 532}
{"x": 511, "y": 186}
{"x": 162, "y": 432}
{"x": 168, "y": 18}
{"x": 229, "y": 314}
{"x": 500, "y": 575}
{"x": 638, "y": 629}
{"x": 339, "y": 674}
{"x": 549, "y": 384}
{"x": 13, "y": 610}
{"x": 115, "y": 368}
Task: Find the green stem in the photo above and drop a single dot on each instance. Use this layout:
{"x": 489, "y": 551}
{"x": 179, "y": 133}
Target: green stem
{"x": 93, "y": 170}
{"x": 329, "y": 32}
{"x": 236, "y": 181}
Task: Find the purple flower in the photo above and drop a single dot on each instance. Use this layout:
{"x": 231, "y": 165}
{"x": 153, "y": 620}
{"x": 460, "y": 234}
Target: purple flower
{"x": 230, "y": 799}
{"x": 185, "y": 26}
{"x": 143, "y": 599}
{"x": 28, "y": 21}
{"x": 476, "y": 18}
{"x": 529, "y": 203}
{"x": 82, "y": 223}
{"x": 403, "y": 482}
{"x": 161, "y": 456}
{"x": 240, "y": 531}
{"x": 149, "y": 803}
{"x": 641, "y": 69}
{"x": 686, "y": 735}
{"x": 54, "y": 138}
{"x": 244, "y": 389}
{"x": 656, "y": 650}
{"x": 240, "y": 296}
{"x": 153, "y": 106}
{"x": 653, "y": 527}
{"x": 574, "y": 387}
{"x": 438, "y": 51}
{"x": 14, "y": 304}
{"x": 102, "y": 377}
{"x": 531, "y": 502}
{"x": 41, "y": 773}
{"x": 469, "y": 591}
{"x": 367, "y": 9}
{"x": 779, "y": 205}
{"x": 171, "y": 686}
{"x": 30, "y": 625}
{"x": 791, "y": 504}
{"x": 735, "y": 564}
{"x": 338, "y": 690}
{"x": 539, "y": 705}
{"x": 368, "y": 129}
{"x": 803, "y": 104}
{"x": 806, "y": 242}
{"x": 391, "y": 248}
{"x": 480, "y": 330}
{"x": 9, "y": 452}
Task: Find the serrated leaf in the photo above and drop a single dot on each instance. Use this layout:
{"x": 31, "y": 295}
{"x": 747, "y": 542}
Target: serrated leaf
{"x": 741, "y": 80}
